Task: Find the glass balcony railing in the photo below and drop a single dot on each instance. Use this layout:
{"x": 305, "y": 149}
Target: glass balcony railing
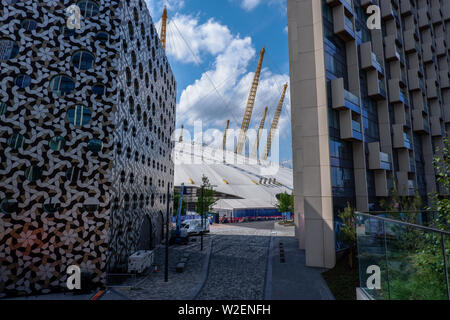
{"x": 410, "y": 259}
{"x": 406, "y": 141}
{"x": 356, "y": 128}
{"x": 348, "y": 4}
{"x": 404, "y": 98}
{"x": 412, "y": 165}
{"x": 382, "y": 88}
{"x": 377, "y": 63}
{"x": 352, "y": 101}
{"x": 349, "y": 25}
{"x": 385, "y": 162}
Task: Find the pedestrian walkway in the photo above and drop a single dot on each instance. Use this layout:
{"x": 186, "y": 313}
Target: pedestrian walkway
{"x": 292, "y": 280}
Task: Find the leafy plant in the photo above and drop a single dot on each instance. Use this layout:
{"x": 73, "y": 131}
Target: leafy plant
{"x": 285, "y": 203}
{"x": 348, "y": 230}
{"x": 205, "y": 196}
{"x": 441, "y": 203}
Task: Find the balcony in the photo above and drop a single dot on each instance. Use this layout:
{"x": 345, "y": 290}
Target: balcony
{"x": 432, "y": 89}
{"x": 392, "y": 51}
{"x": 436, "y": 126}
{"x": 402, "y": 116}
{"x": 420, "y": 122}
{"x": 445, "y": 12}
{"x": 376, "y": 88}
{"x": 343, "y": 23}
{"x": 378, "y": 160}
{"x": 406, "y": 186}
{"x": 347, "y": 4}
{"x": 401, "y": 139}
{"x": 396, "y": 93}
{"x": 411, "y": 41}
{"x": 406, "y": 162}
{"x": 350, "y": 126}
{"x": 428, "y": 52}
{"x": 389, "y": 10}
{"x": 367, "y": 3}
{"x": 436, "y": 15}
{"x": 424, "y": 18}
{"x": 369, "y": 60}
{"x": 421, "y": 104}
{"x": 446, "y": 113}
{"x": 441, "y": 46}
{"x": 444, "y": 77}
{"x": 415, "y": 80}
{"x": 407, "y": 8}
{"x": 343, "y": 99}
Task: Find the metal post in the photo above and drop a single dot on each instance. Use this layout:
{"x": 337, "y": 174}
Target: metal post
{"x": 386, "y": 258}
{"x": 201, "y": 217}
{"x": 166, "y": 271}
{"x": 444, "y": 252}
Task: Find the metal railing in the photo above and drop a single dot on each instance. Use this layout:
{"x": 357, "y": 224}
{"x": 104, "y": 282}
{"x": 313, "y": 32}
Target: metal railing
{"x": 411, "y": 257}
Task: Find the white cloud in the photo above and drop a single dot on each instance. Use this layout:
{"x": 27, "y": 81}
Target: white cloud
{"x": 249, "y": 5}
{"x": 188, "y": 40}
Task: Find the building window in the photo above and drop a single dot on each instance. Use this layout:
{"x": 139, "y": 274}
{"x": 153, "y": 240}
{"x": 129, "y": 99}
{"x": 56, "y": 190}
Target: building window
{"x": 79, "y": 116}
{"x": 95, "y": 146}
{"x": 16, "y": 141}
{"x": 51, "y": 206}
{"x": 33, "y": 173}
{"x": 8, "y": 49}
{"x": 29, "y": 25}
{"x": 23, "y": 81}
{"x": 98, "y": 89}
{"x": 62, "y": 85}
{"x": 88, "y": 8}
{"x": 73, "y": 174}
{"x": 9, "y": 206}
{"x": 83, "y": 60}
{"x": 102, "y": 37}
{"x": 57, "y": 143}
{"x": 3, "y": 108}
{"x": 91, "y": 205}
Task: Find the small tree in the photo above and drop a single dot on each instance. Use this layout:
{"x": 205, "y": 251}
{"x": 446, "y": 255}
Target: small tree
{"x": 348, "y": 231}
{"x": 398, "y": 203}
{"x": 285, "y": 203}
{"x": 207, "y": 198}
{"x": 441, "y": 203}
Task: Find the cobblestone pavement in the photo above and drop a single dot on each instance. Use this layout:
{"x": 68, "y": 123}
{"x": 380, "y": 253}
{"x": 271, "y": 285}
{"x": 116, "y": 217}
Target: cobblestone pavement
{"x": 238, "y": 262}
{"x": 181, "y": 286}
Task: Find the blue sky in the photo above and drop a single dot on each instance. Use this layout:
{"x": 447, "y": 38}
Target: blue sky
{"x": 213, "y": 47}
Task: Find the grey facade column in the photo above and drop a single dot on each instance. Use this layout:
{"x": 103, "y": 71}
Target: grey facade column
{"x": 311, "y": 152}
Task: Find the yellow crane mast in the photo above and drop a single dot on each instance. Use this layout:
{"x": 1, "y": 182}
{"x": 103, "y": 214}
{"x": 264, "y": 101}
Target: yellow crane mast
{"x": 181, "y": 134}
{"x": 255, "y": 152}
{"x": 275, "y": 122}
{"x": 164, "y": 28}
{"x": 250, "y": 105}
{"x": 225, "y": 135}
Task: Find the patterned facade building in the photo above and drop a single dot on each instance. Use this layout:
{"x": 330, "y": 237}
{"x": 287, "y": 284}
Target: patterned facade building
{"x": 86, "y": 118}
{"x": 379, "y": 111}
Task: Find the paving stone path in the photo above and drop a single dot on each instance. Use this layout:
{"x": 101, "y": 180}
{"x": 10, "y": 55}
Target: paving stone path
{"x": 238, "y": 263}
{"x": 181, "y": 286}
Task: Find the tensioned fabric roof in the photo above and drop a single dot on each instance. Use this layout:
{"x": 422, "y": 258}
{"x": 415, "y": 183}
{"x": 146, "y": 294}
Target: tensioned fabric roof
{"x": 237, "y": 176}
{"x": 236, "y": 204}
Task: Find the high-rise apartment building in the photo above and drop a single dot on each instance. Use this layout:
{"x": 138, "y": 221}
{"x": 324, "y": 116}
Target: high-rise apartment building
{"x": 369, "y": 107}
{"x": 86, "y": 117}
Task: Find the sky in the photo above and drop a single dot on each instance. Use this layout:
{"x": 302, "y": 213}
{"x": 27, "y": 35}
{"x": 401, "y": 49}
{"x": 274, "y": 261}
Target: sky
{"x": 213, "y": 48}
